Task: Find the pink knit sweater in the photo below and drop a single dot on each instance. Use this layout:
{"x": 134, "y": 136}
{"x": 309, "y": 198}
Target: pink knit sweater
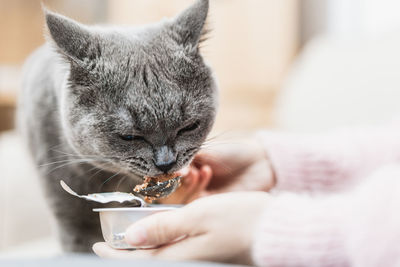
{"x": 336, "y": 202}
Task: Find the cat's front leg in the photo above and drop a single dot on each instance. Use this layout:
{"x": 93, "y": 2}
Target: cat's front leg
{"x": 79, "y": 237}
{"x": 79, "y": 227}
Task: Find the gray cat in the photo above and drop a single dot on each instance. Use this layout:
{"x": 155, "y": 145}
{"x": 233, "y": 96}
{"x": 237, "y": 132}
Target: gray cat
{"x": 101, "y": 107}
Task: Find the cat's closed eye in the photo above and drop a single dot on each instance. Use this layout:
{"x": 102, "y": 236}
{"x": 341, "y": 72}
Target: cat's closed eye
{"x": 189, "y": 128}
{"x": 130, "y": 137}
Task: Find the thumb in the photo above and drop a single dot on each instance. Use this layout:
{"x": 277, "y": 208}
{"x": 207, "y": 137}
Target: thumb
{"x": 159, "y": 229}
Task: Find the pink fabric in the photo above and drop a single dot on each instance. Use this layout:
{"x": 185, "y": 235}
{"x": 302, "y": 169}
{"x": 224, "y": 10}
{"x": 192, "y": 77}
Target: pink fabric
{"x": 336, "y": 201}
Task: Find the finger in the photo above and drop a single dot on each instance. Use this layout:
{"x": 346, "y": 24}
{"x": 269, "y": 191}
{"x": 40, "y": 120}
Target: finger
{"x": 205, "y": 177}
{"x": 192, "y": 180}
{"x": 105, "y": 251}
{"x": 205, "y": 174}
{"x": 188, "y": 188}
{"x": 162, "y": 228}
{"x": 193, "y": 248}
{"x": 188, "y": 249}
{"x": 193, "y": 184}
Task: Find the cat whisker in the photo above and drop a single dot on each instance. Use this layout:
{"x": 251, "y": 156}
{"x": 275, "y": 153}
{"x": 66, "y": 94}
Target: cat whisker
{"x": 214, "y": 144}
{"x": 218, "y": 135}
{"x": 60, "y": 161}
{"x": 55, "y": 149}
{"x": 100, "y": 168}
{"x": 71, "y": 160}
{"x": 109, "y": 178}
{"x": 81, "y": 161}
{"x": 64, "y": 165}
{"x": 121, "y": 181}
{"x": 76, "y": 155}
{"x": 45, "y": 152}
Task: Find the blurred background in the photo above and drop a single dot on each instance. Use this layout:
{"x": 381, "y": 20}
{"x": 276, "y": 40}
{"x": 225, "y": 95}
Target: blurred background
{"x": 293, "y": 65}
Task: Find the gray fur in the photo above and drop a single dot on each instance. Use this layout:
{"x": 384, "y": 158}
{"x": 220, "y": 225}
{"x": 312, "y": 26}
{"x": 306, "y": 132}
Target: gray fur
{"x": 89, "y": 85}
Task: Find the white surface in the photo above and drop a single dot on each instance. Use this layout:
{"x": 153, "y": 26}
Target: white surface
{"x": 24, "y": 214}
{"x": 38, "y": 248}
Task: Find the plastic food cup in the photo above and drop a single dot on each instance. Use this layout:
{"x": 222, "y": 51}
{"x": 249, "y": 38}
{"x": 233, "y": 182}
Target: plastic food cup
{"x": 114, "y": 222}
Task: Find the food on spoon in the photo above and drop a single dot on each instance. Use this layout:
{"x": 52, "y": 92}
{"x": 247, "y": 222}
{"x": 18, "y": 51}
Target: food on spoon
{"x": 157, "y": 179}
{"x": 142, "y": 186}
{"x": 155, "y": 187}
{"x": 164, "y": 177}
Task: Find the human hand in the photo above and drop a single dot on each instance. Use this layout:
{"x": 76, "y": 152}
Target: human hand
{"x": 239, "y": 166}
{"x": 215, "y": 228}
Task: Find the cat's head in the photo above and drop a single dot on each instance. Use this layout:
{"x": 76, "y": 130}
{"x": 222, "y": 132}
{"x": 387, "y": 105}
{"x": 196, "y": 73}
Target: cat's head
{"x": 141, "y": 98}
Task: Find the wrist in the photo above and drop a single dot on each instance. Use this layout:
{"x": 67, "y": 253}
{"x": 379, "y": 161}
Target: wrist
{"x": 263, "y": 155}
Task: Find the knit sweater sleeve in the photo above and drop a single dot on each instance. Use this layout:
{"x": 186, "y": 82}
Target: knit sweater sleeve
{"x": 357, "y": 228}
{"x": 329, "y": 162}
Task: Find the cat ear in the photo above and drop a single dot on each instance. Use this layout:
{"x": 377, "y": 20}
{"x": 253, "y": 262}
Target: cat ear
{"x": 188, "y": 26}
{"x": 73, "y": 40}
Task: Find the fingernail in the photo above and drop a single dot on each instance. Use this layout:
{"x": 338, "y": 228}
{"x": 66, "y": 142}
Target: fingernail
{"x": 136, "y": 235}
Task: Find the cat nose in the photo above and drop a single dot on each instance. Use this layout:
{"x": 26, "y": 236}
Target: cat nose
{"x": 165, "y": 159}
{"x": 165, "y": 167}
